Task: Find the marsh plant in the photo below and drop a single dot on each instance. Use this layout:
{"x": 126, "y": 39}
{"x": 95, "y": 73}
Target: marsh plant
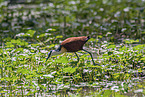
{"x": 30, "y": 30}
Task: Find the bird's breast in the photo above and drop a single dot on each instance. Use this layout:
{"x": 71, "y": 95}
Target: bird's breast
{"x": 63, "y": 50}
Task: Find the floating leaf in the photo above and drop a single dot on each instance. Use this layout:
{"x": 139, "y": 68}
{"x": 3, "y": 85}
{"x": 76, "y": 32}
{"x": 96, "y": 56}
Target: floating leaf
{"x": 50, "y": 29}
{"x": 62, "y": 60}
{"x": 69, "y": 70}
{"x": 30, "y": 33}
{"x": 59, "y": 36}
{"x": 131, "y": 41}
{"x": 43, "y": 35}
{"x": 92, "y": 39}
{"x": 9, "y": 44}
{"x": 51, "y": 38}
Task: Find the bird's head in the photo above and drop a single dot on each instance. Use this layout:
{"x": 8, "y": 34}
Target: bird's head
{"x": 51, "y": 53}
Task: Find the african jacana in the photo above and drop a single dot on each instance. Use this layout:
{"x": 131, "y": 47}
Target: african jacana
{"x": 72, "y": 44}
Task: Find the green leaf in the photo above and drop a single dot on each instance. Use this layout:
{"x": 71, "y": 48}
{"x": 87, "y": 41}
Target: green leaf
{"x": 30, "y": 33}
{"x": 139, "y": 70}
{"x": 143, "y": 32}
{"x": 59, "y": 36}
{"x": 43, "y": 35}
{"x": 49, "y": 39}
{"x": 9, "y": 44}
{"x": 50, "y": 29}
{"x": 51, "y": 46}
{"x": 69, "y": 70}
{"x": 100, "y": 36}
{"x": 71, "y": 94}
{"x": 128, "y": 41}
{"x": 143, "y": 59}
{"x": 92, "y": 39}
{"x": 19, "y": 49}
{"x": 62, "y": 60}
{"x": 112, "y": 46}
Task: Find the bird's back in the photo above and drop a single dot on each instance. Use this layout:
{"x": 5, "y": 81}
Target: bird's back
{"x": 74, "y": 44}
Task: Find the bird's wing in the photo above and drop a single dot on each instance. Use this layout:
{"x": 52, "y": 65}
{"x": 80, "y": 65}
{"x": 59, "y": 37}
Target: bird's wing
{"x": 74, "y": 44}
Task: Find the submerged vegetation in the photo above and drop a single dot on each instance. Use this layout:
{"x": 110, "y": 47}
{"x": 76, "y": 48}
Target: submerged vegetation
{"x": 29, "y": 30}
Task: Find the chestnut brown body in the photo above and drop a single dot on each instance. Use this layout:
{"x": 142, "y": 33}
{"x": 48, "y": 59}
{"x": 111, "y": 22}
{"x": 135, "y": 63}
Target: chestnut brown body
{"x": 74, "y": 44}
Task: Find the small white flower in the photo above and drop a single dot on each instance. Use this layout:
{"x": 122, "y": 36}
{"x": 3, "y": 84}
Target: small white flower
{"x": 126, "y": 9}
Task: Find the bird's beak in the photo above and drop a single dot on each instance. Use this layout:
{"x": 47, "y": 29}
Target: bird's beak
{"x": 48, "y": 55}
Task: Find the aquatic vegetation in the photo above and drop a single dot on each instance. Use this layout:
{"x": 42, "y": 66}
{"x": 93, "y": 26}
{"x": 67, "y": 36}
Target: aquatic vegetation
{"x": 117, "y": 43}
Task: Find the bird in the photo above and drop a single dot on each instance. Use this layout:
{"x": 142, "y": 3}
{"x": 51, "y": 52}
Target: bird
{"x": 72, "y": 44}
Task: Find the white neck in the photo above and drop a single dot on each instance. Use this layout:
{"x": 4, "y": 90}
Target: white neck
{"x": 54, "y": 52}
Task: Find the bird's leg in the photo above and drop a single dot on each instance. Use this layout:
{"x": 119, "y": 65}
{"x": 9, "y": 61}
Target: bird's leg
{"x": 90, "y": 55}
{"x": 77, "y": 57}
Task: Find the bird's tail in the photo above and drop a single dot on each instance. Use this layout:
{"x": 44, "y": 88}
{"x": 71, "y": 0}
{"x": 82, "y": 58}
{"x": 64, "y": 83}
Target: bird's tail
{"x": 88, "y": 37}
